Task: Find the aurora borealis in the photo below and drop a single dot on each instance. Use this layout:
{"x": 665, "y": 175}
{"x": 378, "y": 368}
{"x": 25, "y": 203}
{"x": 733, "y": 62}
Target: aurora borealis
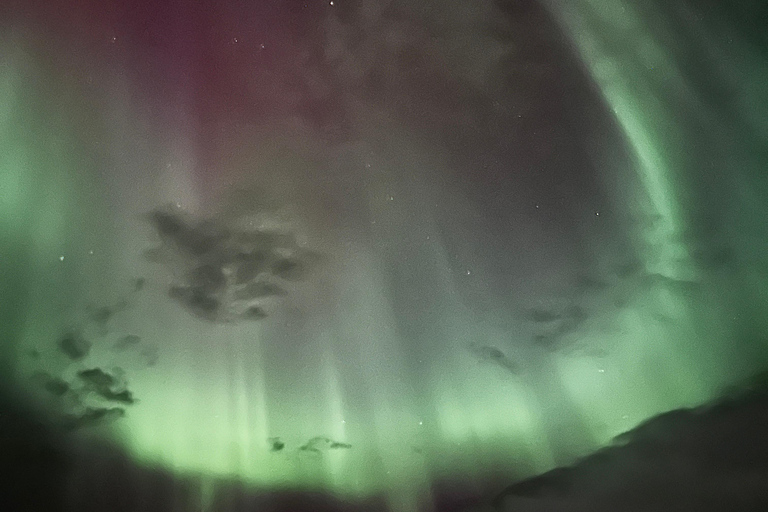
{"x": 538, "y": 225}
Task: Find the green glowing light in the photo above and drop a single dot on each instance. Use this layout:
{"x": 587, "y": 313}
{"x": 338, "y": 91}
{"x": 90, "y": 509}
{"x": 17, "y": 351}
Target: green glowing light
{"x": 219, "y": 396}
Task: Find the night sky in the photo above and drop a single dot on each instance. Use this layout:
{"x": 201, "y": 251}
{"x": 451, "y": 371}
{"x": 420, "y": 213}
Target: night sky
{"x": 365, "y": 246}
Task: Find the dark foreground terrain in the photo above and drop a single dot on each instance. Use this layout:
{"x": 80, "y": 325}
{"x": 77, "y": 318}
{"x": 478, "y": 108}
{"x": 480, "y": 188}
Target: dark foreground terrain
{"x": 711, "y": 458}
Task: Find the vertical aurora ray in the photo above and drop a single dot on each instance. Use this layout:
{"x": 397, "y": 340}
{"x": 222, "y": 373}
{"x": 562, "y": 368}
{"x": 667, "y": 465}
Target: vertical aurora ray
{"x": 47, "y": 187}
{"x": 670, "y": 75}
{"x": 624, "y": 54}
{"x": 386, "y": 357}
{"x": 16, "y": 187}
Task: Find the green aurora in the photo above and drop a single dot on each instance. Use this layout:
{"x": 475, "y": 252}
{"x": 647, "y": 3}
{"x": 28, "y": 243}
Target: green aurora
{"x": 681, "y": 141}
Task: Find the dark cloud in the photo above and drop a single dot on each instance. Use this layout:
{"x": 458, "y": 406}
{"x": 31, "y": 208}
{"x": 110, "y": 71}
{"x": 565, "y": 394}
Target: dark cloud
{"x": 319, "y": 444}
{"x": 92, "y": 417}
{"x": 127, "y": 341}
{"x": 74, "y": 345}
{"x": 494, "y": 356}
{"x": 235, "y": 269}
{"x": 275, "y": 444}
{"x": 53, "y": 385}
{"x": 106, "y": 385}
